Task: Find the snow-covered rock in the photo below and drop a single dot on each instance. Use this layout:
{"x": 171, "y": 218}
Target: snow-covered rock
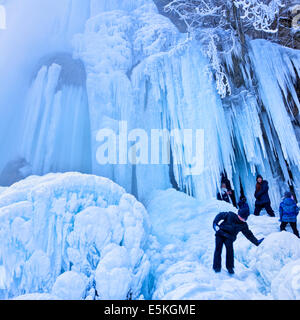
{"x": 70, "y": 286}
{"x": 286, "y": 285}
{"x": 60, "y": 232}
{"x": 277, "y": 250}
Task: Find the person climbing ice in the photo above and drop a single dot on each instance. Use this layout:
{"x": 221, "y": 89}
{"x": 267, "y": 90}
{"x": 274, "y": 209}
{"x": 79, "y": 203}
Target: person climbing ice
{"x": 289, "y": 211}
{"x": 262, "y": 197}
{"x": 226, "y": 234}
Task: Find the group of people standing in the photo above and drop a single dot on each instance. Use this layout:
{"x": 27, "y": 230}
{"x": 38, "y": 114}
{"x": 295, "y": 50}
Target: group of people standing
{"x": 231, "y": 223}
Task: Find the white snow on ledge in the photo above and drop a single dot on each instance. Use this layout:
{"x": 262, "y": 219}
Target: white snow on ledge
{"x": 71, "y": 236}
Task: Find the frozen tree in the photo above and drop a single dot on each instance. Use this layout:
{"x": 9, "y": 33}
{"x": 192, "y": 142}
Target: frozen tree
{"x": 261, "y": 14}
{"x": 219, "y": 24}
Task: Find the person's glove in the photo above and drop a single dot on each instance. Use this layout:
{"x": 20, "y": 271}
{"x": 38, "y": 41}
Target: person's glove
{"x": 216, "y": 227}
{"x": 260, "y": 241}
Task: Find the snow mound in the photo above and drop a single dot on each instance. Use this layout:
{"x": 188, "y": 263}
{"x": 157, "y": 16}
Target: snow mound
{"x": 286, "y": 285}
{"x": 61, "y": 234}
{"x": 277, "y": 250}
{"x": 70, "y": 285}
{"x": 175, "y": 215}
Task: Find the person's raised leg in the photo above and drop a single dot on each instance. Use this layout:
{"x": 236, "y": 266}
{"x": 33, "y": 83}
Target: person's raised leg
{"x": 257, "y": 210}
{"x": 283, "y": 226}
{"x": 218, "y": 254}
{"x": 269, "y": 209}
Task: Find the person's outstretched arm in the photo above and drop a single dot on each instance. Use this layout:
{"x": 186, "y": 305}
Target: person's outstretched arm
{"x": 250, "y": 236}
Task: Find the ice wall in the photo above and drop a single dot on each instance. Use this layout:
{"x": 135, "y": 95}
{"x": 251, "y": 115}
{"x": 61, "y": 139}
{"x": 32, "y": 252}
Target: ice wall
{"x": 137, "y": 76}
{"x": 131, "y": 64}
{"x": 34, "y": 32}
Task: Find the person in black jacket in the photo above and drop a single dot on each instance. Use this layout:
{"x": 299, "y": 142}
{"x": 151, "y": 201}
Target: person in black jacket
{"x": 262, "y": 197}
{"x": 226, "y": 234}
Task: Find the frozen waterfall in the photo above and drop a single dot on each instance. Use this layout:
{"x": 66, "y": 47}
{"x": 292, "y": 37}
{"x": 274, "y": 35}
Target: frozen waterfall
{"x": 87, "y": 65}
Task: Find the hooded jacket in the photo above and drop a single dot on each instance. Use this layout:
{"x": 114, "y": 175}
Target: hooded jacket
{"x": 262, "y": 196}
{"x": 288, "y": 210}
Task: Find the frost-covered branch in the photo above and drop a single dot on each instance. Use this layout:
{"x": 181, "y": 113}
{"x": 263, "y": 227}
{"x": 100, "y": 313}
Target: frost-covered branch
{"x": 193, "y": 12}
{"x": 212, "y": 52}
{"x": 260, "y": 14}
{"x": 214, "y": 20}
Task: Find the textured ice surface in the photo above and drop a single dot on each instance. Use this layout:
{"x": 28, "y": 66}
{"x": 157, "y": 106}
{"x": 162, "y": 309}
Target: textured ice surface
{"x": 130, "y": 63}
{"x": 72, "y": 236}
{"x": 88, "y": 65}
{"x": 286, "y": 285}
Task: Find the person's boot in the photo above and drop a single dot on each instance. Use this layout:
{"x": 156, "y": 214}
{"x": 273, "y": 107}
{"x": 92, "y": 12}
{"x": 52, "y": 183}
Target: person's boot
{"x": 230, "y": 271}
{"x": 217, "y": 270}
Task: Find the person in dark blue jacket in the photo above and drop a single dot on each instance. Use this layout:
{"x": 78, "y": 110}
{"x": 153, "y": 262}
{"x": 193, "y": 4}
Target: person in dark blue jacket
{"x": 262, "y": 197}
{"x": 243, "y": 205}
{"x": 226, "y": 234}
{"x": 288, "y": 211}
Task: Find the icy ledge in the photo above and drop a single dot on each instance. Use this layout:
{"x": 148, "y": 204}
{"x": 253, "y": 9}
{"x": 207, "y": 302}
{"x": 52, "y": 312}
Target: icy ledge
{"x": 71, "y": 236}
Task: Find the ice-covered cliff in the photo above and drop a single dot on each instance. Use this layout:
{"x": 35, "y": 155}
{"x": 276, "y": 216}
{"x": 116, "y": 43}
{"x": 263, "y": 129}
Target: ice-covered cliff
{"x": 86, "y": 65}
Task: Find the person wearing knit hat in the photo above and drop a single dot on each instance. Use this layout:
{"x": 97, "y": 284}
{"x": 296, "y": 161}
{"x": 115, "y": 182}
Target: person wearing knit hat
{"x": 288, "y": 211}
{"x": 226, "y": 234}
{"x": 244, "y": 210}
{"x": 262, "y": 197}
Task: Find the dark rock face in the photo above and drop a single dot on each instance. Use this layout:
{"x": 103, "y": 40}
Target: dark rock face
{"x": 72, "y": 73}
{"x": 174, "y": 18}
